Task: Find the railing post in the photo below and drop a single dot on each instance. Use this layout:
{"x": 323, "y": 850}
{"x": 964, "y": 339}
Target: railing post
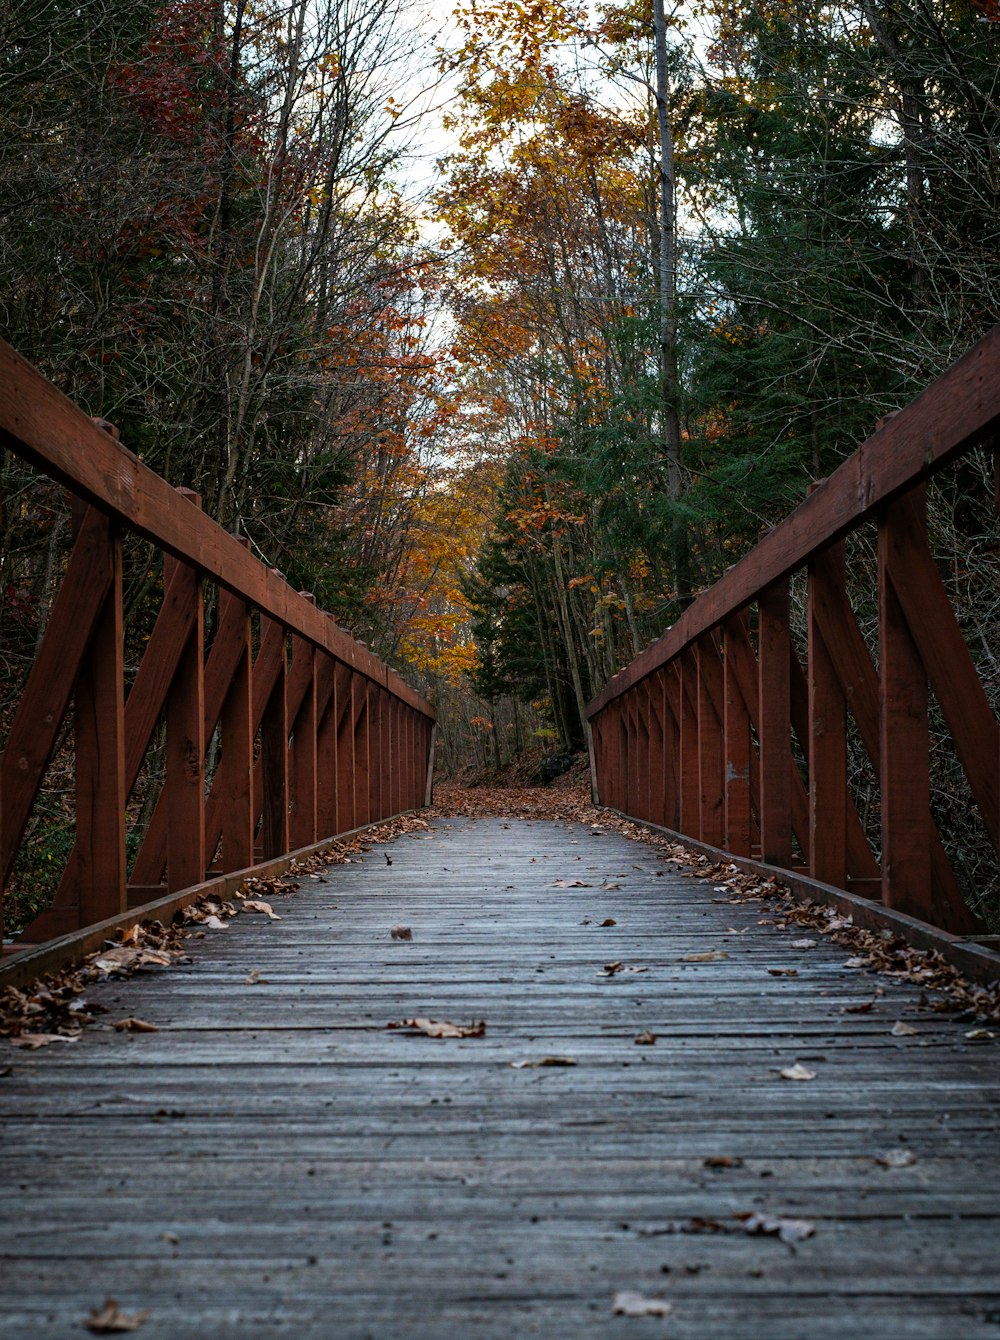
{"x": 672, "y": 745}
{"x": 905, "y": 747}
{"x": 657, "y": 739}
{"x": 376, "y": 771}
{"x": 362, "y": 756}
{"x": 235, "y": 773}
{"x": 344, "y": 690}
{"x": 737, "y": 748}
{"x": 326, "y": 746}
{"x": 273, "y": 772}
{"x": 185, "y": 755}
{"x": 429, "y": 737}
{"x": 711, "y": 762}
{"x": 827, "y": 739}
{"x": 774, "y": 725}
{"x": 99, "y": 728}
{"x": 640, "y": 766}
{"x": 690, "y": 767}
{"x": 302, "y": 763}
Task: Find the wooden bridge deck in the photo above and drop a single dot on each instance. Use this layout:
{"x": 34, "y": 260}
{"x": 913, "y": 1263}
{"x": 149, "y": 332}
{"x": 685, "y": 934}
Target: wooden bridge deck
{"x": 274, "y": 1161}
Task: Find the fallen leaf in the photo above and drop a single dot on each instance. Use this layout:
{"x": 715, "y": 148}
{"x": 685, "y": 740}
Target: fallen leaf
{"x": 570, "y": 884}
{"x": 711, "y": 956}
{"x": 788, "y": 1230}
{"x": 543, "y": 1061}
{"x": 215, "y": 923}
{"x": 857, "y": 961}
{"x": 612, "y": 969}
{"x": 172, "y": 1238}
{"x": 253, "y": 978}
{"x": 36, "y": 1040}
{"x": 110, "y": 1319}
{"x": 797, "y": 1071}
{"x": 132, "y": 1025}
{"x": 863, "y": 1008}
{"x": 441, "y": 1028}
{"x": 783, "y": 972}
{"x": 835, "y": 923}
{"x": 255, "y": 905}
{"x": 896, "y": 1158}
{"x": 388, "y": 859}
{"x": 901, "y": 1030}
{"x": 698, "y": 1224}
{"x": 722, "y": 1161}
{"x": 803, "y": 944}
{"x": 627, "y": 1303}
{"x": 980, "y": 1035}
{"x": 645, "y": 1039}
{"x": 113, "y": 960}
{"x": 400, "y": 933}
{"x": 609, "y": 921}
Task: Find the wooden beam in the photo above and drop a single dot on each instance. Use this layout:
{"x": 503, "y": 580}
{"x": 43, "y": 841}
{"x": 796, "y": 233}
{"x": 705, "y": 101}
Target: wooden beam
{"x": 945, "y": 656}
{"x": 302, "y": 763}
{"x": 185, "y": 754}
{"x": 690, "y": 767}
{"x": 345, "y": 747}
{"x": 46, "y": 695}
{"x": 774, "y": 725}
{"x": 827, "y": 753}
{"x": 957, "y": 411}
{"x": 711, "y": 757}
{"x": 99, "y": 729}
{"x": 271, "y": 780}
{"x": 40, "y": 424}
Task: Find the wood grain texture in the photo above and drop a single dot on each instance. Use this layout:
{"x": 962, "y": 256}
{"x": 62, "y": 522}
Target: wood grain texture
{"x": 274, "y": 1161}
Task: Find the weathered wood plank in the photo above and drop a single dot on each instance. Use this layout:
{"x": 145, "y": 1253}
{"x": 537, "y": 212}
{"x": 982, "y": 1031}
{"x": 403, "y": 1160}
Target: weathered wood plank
{"x": 274, "y": 1156}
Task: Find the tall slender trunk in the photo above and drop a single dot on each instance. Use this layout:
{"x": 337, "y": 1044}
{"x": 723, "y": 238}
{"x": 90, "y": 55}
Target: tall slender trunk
{"x": 667, "y": 286}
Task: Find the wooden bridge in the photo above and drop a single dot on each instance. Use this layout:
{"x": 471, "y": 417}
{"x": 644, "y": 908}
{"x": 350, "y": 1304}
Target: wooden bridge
{"x": 679, "y": 1115}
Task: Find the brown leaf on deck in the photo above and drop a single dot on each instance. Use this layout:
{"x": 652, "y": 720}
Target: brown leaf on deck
{"x": 36, "y": 1040}
{"x": 258, "y": 905}
{"x": 543, "y": 1061}
{"x": 783, "y": 972}
{"x": 133, "y": 1025}
{"x": 400, "y": 933}
{"x": 709, "y": 956}
{"x": 440, "y": 1028}
{"x": 110, "y": 1319}
{"x": 789, "y": 1231}
{"x": 645, "y": 1039}
{"x": 628, "y": 1303}
{"x": 609, "y": 921}
{"x": 797, "y": 1071}
{"x": 896, "y": 1158}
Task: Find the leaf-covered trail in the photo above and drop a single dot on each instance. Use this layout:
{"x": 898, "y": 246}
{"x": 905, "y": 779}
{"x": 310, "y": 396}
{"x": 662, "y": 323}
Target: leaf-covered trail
{"x": 275, "y": 1160}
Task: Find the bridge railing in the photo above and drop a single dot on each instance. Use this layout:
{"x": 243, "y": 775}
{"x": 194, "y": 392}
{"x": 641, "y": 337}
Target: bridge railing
{"x": 253, "y": 724}
{"x": 725, "y": 732}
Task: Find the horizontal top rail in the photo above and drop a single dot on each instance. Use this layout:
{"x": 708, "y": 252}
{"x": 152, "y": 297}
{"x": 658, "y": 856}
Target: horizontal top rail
{"x": 44, "y": 427}
{"x": 956, "y": 412}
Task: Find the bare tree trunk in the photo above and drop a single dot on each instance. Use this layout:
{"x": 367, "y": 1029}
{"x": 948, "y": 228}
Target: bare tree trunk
{"x": 667, "y": 283}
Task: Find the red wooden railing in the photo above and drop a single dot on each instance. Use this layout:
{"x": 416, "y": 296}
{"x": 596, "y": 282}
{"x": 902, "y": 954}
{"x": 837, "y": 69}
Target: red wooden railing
{"x": 313, "y": 735}
{"x": 699, "y": 733}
